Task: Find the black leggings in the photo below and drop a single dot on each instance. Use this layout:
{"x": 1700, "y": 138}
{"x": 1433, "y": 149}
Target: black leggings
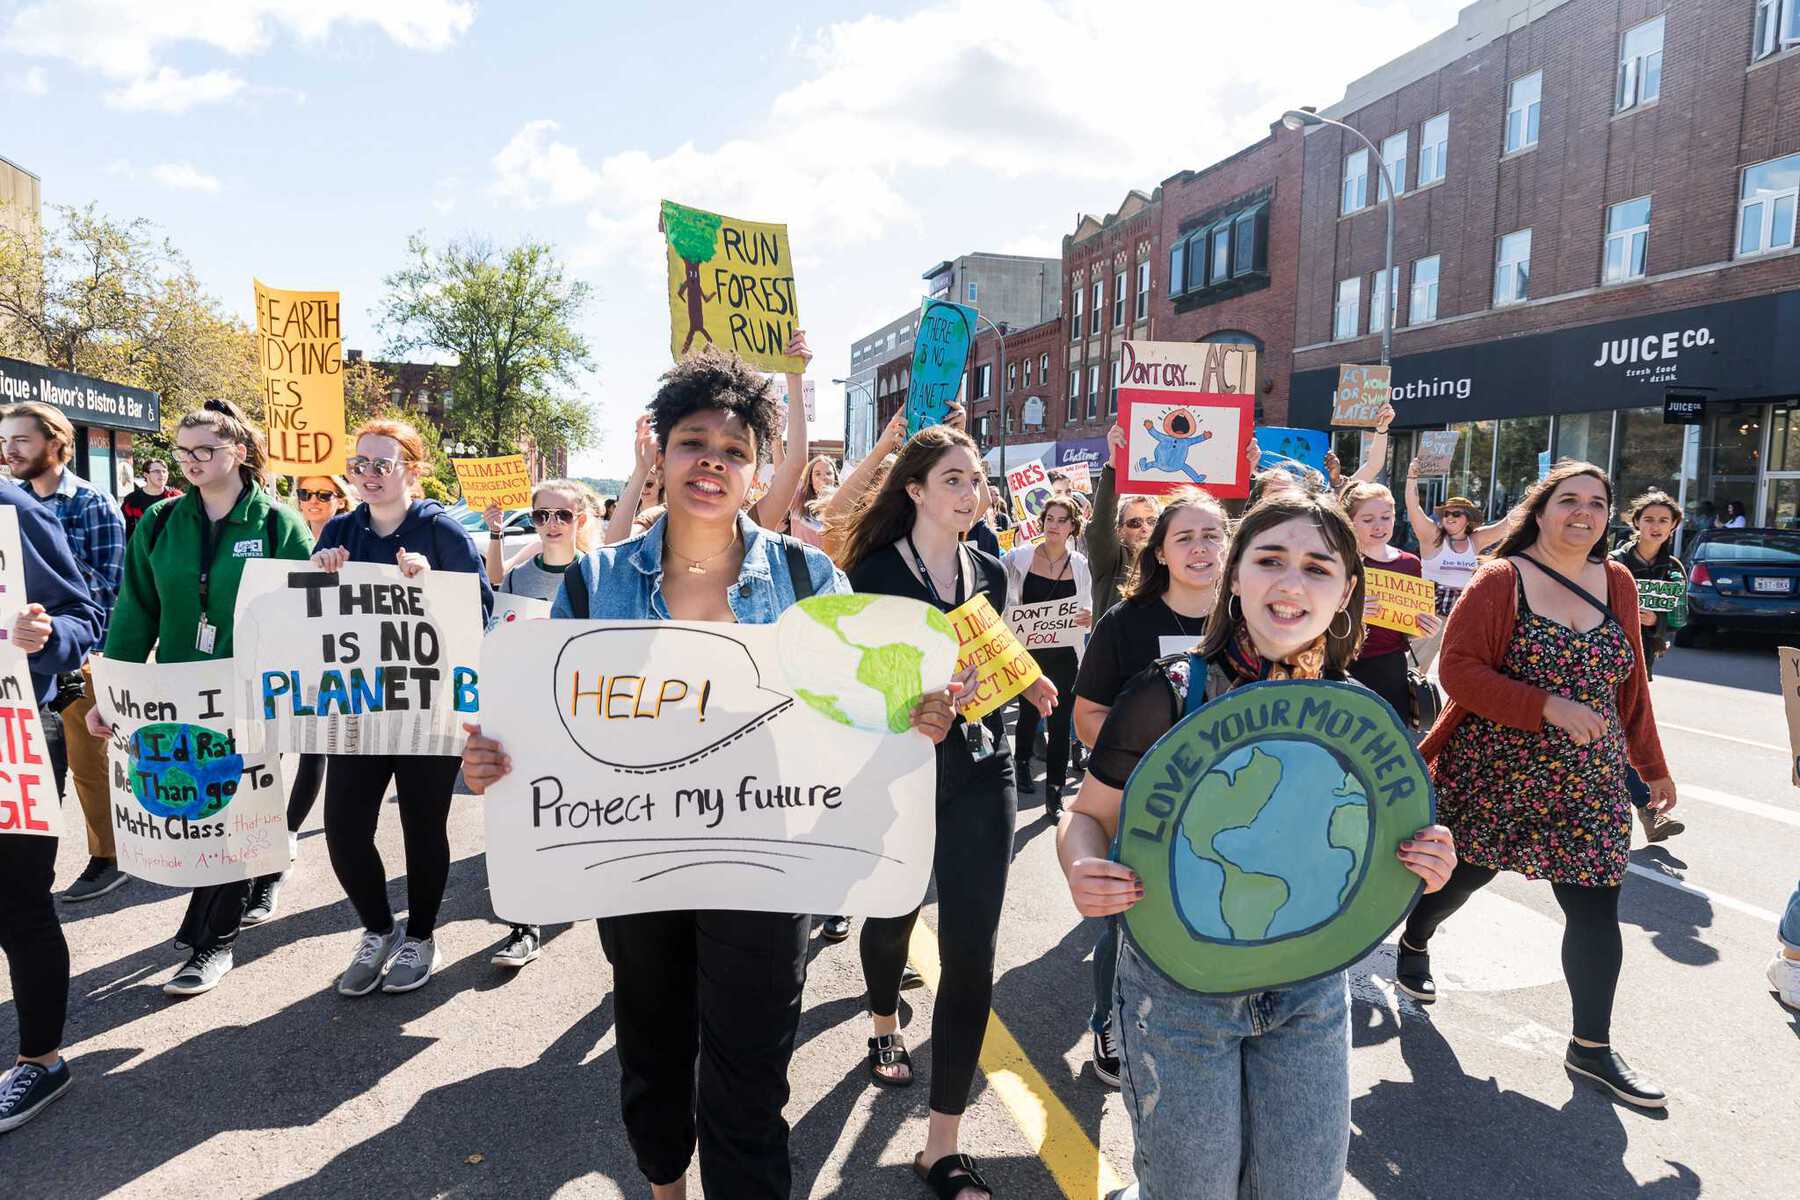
{"x": 302, "y": 794}
{"x": 354, "y": 787}
{"x": 37, "y": 956}
{"x": 1592, "y": 950}
{"x": 1060, "y": 667}
{"x": 1385, "y": 675}
{"x": 976, "y": 807}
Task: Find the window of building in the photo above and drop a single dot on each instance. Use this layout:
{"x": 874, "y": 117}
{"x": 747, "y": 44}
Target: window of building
{"x": 1093, "y": 397}
{"x": 981, "y": 429}
{"x": 1142, "y": 308}
{"x": 1640, "y": 64}
{"x": 1524, "y": 103}
{"x": 1010, "y": 430}
{"x": 1220, "y": 270}
{"x": 890, "y": 343}
{"x": 1356, "y": 181}
{"x": 1044, "y": 367}
{"x": 1777, "y": 27}
{"x": 1177, "y": 271}
{"x": 983, "y": 379}
{"x": 1028, "y": 372}
{"x": 1434, "y": 150}
{"x": 1112, "y": 396}
{"x": 1627, "y": 240}
{"x": 1075, "y": 313}
{"x": 1119, "y": 300}
{"x": 1766, "y": 205}
{"x": 1098, "y": 307}
{"x": 1196, "y": 259}
{"x": 969, "y": 291}
{"x": 1347, "y": 313}
{"x": 1512, "y": 268}
{"x": 1012, "y": 375}
{"x": 1424, "y": 291}
{"x": 1393, "y": 157}
{"x": 1243, "y": 249}
{"x": 1379, "y": 304}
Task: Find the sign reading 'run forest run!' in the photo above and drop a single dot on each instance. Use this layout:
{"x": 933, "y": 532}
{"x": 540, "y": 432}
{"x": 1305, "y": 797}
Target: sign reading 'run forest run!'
{"x": 731, "y": 285}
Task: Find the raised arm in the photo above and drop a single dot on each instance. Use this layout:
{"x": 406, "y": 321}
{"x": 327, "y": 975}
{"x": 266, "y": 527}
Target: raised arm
{"x": 1423, "y": 527}
{"x": 790, "y": 462}
{"x": 1490, "y": 535}
{"x": 625, "y": 511}
{"x": 1372, "y": 462}
{"x": 493, "y": 557}
{"x": 861, "y": 478}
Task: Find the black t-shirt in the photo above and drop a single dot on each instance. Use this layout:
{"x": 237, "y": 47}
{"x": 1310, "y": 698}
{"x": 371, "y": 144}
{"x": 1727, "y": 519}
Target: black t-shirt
{"x": 1125, "y": 641}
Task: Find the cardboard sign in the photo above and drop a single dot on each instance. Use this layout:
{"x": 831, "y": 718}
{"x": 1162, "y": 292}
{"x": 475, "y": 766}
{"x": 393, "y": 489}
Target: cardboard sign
{"x": 731, "y": 285}
{"x": 12, "y": 571}
{"x": 28, "y": 799}
{"x": 1003, "y": 668}
{"x": 1362, "y": 392}
{"x": 1174, "y": 643}
{"x": 1186, "y": 408}
{"x": 941, "y": 345}
{"x": 1032, "y": 474}
{"x": 669, "y": 765}
{"x": 1661, "y": 595}
{"x": 505, "y": 481}
{"x": 1264, "y": 828}
{"x": 1005, "y": 538}
{"x": 1047, "y": 625}
{"x": 189, "y": 809}
{"x": 510, "y": 610}
{"x": 1080, "y": 477}
{"x": 300, "y": 348}
{"x": 1285, "y": 446}
{"x": 1790, "y": 695}
{"x": 1198, "y": 368}
{"x": 360, "y": 661}
{"x": 1399, "y": 599}
{"x": 1437, "y": 451}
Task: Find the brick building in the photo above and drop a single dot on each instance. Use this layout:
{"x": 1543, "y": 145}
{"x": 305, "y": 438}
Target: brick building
{"x": 892, "y": 375}
{"x": 1108, "y": 268}
{"x": 1596, "y": 210}
{"x": 1229, "y": 272}
{"x": 1033, "y": 383}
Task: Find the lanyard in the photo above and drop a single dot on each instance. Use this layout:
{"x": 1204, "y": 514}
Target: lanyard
{"x": 926, "y": 575}
{"x": 206, "y": 557}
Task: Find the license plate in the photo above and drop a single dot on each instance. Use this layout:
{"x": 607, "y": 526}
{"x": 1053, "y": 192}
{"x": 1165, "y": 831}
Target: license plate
{"x": 1763, "y": 583}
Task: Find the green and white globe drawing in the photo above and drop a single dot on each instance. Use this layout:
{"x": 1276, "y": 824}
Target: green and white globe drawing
{"x": 1272, "y": 842}
{"x": 864, "y": 661}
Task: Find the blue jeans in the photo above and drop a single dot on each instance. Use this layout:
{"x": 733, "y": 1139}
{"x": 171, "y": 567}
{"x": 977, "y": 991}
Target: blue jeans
{"x": 1789, "y": 930}
{"x": 1235, "y": 1096}
{"x": 1106, "y": 964}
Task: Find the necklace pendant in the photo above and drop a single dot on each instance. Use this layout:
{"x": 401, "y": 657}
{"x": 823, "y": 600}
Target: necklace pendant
{"x": 696, "y": 569}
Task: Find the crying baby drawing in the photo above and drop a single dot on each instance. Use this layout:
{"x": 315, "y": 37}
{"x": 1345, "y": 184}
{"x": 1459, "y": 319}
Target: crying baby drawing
{"x": 1180, "y": 433}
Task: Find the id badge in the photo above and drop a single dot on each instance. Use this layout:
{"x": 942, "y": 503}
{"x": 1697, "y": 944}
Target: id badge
{"x": 205, "y": 634}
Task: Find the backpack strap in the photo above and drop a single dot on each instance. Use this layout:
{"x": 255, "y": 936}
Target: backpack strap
{"x": 271, "y": 531}
{"x": 156, "y": 526}
{"x": 578, "y": 594}
{"x": 799, "y": 574}
{"x": 1606, "y": 611}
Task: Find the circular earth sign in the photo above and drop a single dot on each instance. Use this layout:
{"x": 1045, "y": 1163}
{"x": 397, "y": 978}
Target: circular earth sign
{"x": 186, "y": 771}
{"x": 1264, "y": 827}
{"x": 864, "y": 660}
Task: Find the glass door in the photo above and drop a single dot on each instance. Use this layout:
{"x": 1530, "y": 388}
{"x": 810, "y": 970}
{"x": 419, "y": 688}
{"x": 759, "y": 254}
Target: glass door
{"x": 1781, "y": 487}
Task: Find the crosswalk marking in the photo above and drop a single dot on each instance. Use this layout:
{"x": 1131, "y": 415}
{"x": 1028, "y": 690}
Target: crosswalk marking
{"x": 1756, "y": 808}
{"x": 1724, "y": 737}
{"x": 1682, "y": 885}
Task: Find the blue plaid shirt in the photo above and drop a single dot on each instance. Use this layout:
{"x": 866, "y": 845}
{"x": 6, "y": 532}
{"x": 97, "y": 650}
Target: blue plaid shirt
{"x": 95, "y": 527}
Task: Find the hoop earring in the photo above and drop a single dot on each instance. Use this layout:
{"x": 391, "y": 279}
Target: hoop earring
{"x": 1349, "y": 624}
{"x": 1239, "y": 614}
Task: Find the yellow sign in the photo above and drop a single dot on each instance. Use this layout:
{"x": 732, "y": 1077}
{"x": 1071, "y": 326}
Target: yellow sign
{"x": 1005, "y": 538}
{"x": 731, "y": 285}
{"x": 504, "y": 481}
{"x": 1400, "y": 599}
{"x": 1003, "y": 668}
{"x": 300, "y": 346}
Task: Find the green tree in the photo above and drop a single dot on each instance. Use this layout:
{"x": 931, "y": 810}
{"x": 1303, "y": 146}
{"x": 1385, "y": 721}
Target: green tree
{"x": 694, "y": 235}
{"x": 508, "y": 317}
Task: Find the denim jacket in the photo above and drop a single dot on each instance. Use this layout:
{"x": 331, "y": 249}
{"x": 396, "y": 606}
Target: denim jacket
{"x": 624, "y": 581}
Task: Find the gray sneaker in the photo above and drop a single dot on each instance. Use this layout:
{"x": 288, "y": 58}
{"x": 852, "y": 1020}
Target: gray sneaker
{"x": 523, "y": 945}
{"x": 412, "y": 966}
{"x": 370, "y": 960}
{"x": 202, "y": 973}
{"x": 265, "y": 900}
{"x": 101, "y": 876}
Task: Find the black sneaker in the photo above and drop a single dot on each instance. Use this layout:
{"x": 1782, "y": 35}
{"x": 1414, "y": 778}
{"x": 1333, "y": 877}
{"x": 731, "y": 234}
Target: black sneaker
{"x": 1053, "y": 808}
{"x": 834, "y": 929}
{"x": 523, "y": 945}
{"x": 1106, "y": 1057}
{"x": 102, "y": 876}
{"x": 1604, "y": 1066}
{"x": 1412, "y": 974}
{"x": 202, "y": 972}
{"x": 910, "y": 979}
{"x": 28, "y": 1089}
{"x": 265, "y": 900}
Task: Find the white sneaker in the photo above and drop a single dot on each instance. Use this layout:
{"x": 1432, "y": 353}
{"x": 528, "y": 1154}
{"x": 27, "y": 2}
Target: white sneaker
{"x": 1784, "y": 977}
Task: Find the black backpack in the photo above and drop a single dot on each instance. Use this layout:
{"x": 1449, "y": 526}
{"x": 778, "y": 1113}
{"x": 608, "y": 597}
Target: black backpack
{"x": 798, "y": 575}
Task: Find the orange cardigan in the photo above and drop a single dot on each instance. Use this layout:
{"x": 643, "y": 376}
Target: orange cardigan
{"x": 1475, "y": 642}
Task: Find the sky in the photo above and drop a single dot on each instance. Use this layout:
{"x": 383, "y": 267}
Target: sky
{"x": 303, "y": 141}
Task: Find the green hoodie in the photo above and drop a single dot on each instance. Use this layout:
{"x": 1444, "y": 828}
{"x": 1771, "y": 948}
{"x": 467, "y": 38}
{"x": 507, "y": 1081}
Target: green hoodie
{"x": 159, "y": 600}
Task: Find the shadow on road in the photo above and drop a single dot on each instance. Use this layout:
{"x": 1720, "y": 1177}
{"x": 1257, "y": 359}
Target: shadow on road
{"x": 1673, "y": 918}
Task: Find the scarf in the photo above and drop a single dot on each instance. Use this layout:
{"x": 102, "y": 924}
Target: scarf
{"x": 1244, "y": 662}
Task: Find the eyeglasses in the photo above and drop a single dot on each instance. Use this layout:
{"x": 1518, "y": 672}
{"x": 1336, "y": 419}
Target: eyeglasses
{"x": 381, "y": 468}
{"x": 543, "y": 516}
{"x": 199, "y": 454}
{"x": 303, "y": 495}
{"x": 1137, "y": 522}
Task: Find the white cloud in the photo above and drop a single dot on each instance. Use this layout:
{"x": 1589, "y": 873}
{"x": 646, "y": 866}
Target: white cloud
{"x": 184, "y": 177}
{"x": 34, "y": 81}
{"x": 535, "y": 169}
{"x": 170, "y": 91}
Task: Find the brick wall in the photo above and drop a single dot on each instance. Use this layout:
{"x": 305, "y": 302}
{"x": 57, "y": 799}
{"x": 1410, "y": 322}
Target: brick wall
{"x": 1041, "y": 343}
{"x": 1108, "y": 246}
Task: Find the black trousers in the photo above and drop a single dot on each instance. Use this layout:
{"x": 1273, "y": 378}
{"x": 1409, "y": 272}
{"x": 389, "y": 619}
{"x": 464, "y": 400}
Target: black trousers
{"x": 722, "y": 988}
{"x": 976, "y": 808}
{"x": 1385, "y": 675}
{"x": 1060, "y": 667}
{"x": 1592, "y": 950}
{"x": 37, "y": 956}
{"x": 354, "y": 786}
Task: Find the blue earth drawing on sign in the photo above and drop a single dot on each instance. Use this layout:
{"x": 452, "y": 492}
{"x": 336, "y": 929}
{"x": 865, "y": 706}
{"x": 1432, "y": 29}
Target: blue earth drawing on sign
{"x": 186, "y": 771}
{"x": 1273, "y": 842}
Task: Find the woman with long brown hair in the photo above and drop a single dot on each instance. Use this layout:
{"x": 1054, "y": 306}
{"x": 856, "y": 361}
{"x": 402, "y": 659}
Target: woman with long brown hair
{"x": 1052, "y": 569}
{"x": 906, "y": 540}
{"x": 816, "y": 487}
{"x": 1544, "y": 666}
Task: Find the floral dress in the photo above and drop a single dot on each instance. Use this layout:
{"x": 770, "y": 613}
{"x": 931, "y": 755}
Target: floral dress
{"x": 1537, "y": 803}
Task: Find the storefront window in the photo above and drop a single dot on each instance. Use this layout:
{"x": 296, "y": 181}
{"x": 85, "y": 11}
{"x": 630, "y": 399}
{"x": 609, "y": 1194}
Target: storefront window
{"x": 1730, "y": 447}
{"x": 1523, "y": 441}
{"x": 1471, "y": 471}
{"x": 1784, "y": 504}
{"x": 1585, "y": 437}
{"x": 1784, "y": 437}
{"x": 1649, "y": 455}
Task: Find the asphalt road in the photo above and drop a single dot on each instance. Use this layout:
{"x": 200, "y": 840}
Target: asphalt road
{"x": 487, "y": 1083}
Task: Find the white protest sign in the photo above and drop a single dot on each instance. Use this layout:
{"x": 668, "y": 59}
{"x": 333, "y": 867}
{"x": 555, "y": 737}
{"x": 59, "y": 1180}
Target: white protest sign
{"x": 510, "y": 609}
{"x": 1171, "y": 644}
{"x": 1047, "y": 625}
{"x": 188, "y": 808}
{"x": 361, "y": 661}
{"x": 670, "y": 765}
{"x": 28, "y": 798}
{"x": 12, "y": 570}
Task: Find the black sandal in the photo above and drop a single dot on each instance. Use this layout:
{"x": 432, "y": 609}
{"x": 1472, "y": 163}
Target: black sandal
{"x": 942, "y": 1183}
{"x": 889, "y": 1050}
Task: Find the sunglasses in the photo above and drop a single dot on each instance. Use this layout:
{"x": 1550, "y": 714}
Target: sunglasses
{"x": 303, "y": 495}
{"x": 1137, "y": 522}
{"x": 381, "y": 468}
{"x": 543, "y": 516}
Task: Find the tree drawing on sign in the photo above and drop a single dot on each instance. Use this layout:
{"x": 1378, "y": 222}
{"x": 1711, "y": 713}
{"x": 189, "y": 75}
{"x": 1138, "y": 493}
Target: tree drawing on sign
{"x": 694, "y": 236}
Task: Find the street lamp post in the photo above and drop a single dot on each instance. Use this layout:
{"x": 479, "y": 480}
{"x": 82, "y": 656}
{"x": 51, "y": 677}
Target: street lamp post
{"x": 850, "y": 386}
{"x": 1000, "y": 386}
{"x": 1296, "y": 118}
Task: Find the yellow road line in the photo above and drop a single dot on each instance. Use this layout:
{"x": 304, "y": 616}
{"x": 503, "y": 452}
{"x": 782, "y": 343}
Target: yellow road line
{"x": 1076, "y": 1163}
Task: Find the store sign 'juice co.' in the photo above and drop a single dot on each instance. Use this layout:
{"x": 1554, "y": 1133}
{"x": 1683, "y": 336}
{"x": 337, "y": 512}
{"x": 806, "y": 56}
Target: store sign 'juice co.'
{"x": 1620, "y": 352}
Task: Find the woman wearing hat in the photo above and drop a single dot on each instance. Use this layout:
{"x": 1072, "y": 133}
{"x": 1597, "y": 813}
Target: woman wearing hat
{"x": 1450, "y": 549}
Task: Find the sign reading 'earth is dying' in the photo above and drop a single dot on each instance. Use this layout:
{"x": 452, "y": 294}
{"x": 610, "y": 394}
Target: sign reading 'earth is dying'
{"x": 1264, "y": 827}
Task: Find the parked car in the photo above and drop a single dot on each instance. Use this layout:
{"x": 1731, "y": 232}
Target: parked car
{"x": 1745, "y": 579}
{"x": 515, "y": 532}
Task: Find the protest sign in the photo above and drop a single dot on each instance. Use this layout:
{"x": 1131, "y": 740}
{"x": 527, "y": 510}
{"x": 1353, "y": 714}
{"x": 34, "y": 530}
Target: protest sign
{"x": 1284, "y": 446}
{"x": 1080, "y": 477}
{"x": 985, "y": 642}
{"x": 360, "y": 661}
{"x": 1400, "y": 600}
{"x": 1030, "y": 475}
{"x": 670, "y": 765}
{"x": 1437, "y": 451}
{"x": 1047, "y": 625}
{"x": 189, "y": 809}
{"x": 1186, "y": 408}
{"x": 731, "y": 285}
{"x": 1543, "y": 464}
{"x": 1264, "y": 828}
{"x": 299, "y": 344}
{"x": 1661, "y": 595}
{"x": 505, "y": 481}
{"x": 779, "y": 382}
{"x": 1027, "y": 529}
{"x": 28, "y": 798}
{"x": 941, "y": 346}
{"x": 510, "y": 609}
{"x": 1005, "y": 538}
{"x": 12, "y": 571}
{"x": 1030, "y": 488}
{"x": 1361, "y": 394}
{"x": 1790, "y": 694}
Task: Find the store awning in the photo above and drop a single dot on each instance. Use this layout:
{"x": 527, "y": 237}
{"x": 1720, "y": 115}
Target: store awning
{"x": 1017, "y": 455}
